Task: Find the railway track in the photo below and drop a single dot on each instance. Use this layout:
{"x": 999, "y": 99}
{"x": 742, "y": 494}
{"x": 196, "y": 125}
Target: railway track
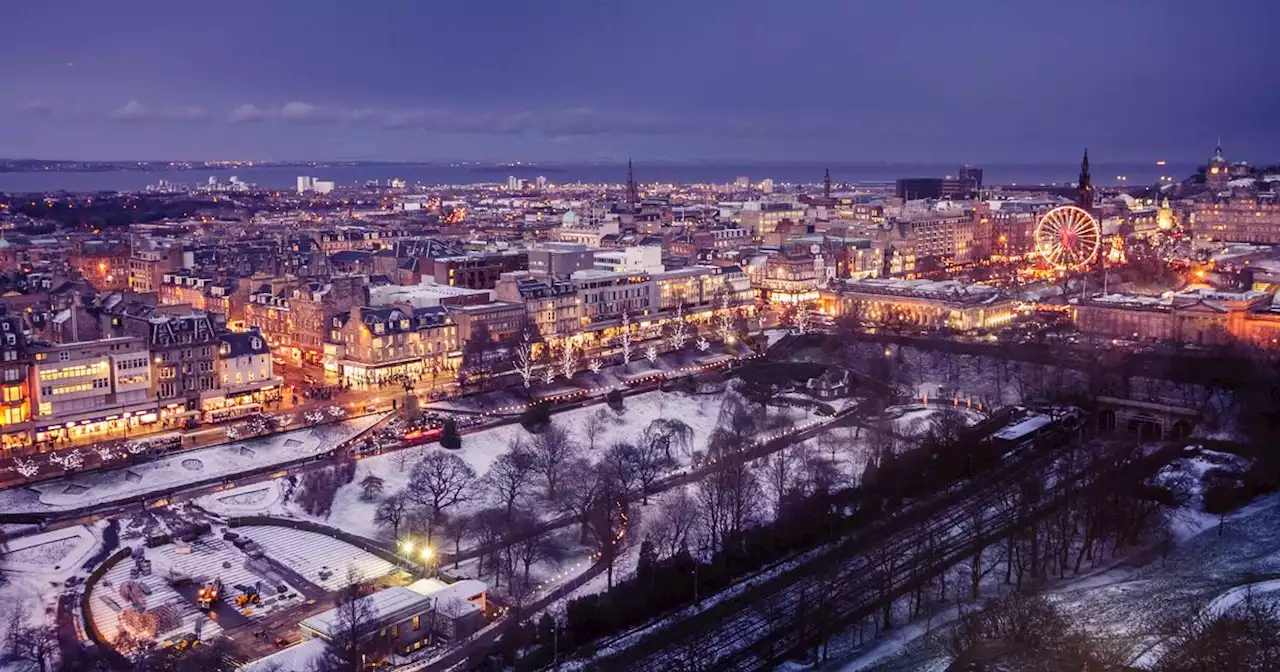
{"x": 765, "y": 623}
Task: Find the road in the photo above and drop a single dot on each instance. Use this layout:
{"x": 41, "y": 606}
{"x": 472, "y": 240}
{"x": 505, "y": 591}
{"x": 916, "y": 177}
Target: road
{"x": 759, "y": 627}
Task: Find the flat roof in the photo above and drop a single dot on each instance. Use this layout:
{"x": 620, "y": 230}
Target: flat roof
{"x": 385, "y": 604}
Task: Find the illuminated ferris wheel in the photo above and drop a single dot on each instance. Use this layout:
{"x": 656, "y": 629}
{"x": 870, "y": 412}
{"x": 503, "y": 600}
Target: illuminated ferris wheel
{"x": 1068, "y": 237}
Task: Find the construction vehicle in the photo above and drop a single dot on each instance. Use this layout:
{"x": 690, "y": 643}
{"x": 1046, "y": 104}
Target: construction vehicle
{"x": 249, "y": 594}
{"x": 207, "y": 595}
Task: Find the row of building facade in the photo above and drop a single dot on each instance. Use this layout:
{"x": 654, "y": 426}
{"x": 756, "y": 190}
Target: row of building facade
{"x": 149, "y": 367}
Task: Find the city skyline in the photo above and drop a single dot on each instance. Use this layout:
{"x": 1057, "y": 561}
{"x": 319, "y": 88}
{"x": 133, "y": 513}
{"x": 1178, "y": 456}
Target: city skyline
{"x": 577, "y": 82}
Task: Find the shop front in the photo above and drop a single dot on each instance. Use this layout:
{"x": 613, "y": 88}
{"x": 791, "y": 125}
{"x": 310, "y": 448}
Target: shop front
{"x": 236, "y": 403}
{"x": 98, "y": 425}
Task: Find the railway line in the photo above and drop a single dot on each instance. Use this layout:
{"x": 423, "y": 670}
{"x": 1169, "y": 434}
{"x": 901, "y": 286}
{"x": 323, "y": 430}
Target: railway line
{"x": 767, "y": 622}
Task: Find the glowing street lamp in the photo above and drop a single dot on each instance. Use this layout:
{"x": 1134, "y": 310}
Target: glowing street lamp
{"x": 406, "y": 547}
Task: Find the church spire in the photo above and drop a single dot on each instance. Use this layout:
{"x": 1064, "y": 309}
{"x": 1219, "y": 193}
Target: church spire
{"x": 1084, "y": 186}
{"x": 826, "y": 184}
{"x": 633, "y": 195}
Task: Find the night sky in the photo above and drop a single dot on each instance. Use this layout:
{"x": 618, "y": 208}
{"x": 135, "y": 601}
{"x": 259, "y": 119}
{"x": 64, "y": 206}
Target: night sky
{"x": 852, "y": 80}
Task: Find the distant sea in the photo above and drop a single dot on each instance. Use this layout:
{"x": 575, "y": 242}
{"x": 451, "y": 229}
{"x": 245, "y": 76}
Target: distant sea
{"x": 667, "y": 172}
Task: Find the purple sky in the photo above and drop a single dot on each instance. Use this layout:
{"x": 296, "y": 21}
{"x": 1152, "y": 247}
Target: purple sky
{"x": 840, "y": 80}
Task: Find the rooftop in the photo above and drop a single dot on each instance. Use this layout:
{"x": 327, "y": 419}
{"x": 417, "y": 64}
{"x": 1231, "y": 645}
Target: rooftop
{"x": 951, "y": 291}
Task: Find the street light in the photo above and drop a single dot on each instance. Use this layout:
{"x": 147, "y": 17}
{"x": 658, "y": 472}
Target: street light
{"x": 406, "y": 547}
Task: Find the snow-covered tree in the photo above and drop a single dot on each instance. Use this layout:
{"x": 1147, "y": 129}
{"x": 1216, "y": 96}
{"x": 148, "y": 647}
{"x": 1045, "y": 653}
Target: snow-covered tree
{"x": 625, "y": 338}
{"x": 724, "y": 320}
{"x": 336, "y": 412}
{"x": 568, "y": 360}
{"x": 524, "y": 360}
{"x": 233, "y": 433}
{"x": 651, "y": 354}
{"x": 803, "y": 320}
{"x": 105, "y": 453}
{"x": 314, "y": 417}
{"x": 678, "y": 334}
{"x": 594, "y": 366}
{"x": 703, "y": 344}
{"x": 548, "y": 374}
{"x": 68, "y": 461}
{"x": 135, "y": 447}
{"x": 26, "y": 467}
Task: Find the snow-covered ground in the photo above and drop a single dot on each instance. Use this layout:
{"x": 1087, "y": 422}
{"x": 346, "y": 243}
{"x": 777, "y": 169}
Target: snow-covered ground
{"x": 103, "y": 487}
{"x": 350, "y": 512}
{"x": 1133, "y": 601}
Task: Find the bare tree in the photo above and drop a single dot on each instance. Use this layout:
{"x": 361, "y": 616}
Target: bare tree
{"x": 391, "y": 512}
{"x": 729, "y": 499}
{"x": 511, "y": 477}
{"x": 455, "y": 529}
{"x": 676, "y": 520}
{"x": 580, "y": 490}
{"x": 532, "y": 545}
{"x": 725, "y": 328}
{"x": 780, "y": 474}
{"x": 37, "y": 647}
{"x": 524, "y": 359}
{"x": 620, "y": 466}
{"x": 593, "y": 427}
{"x": 678, "y": 330}
{"x": 667, "y": 433}
{"x": 348, "y": 643}
{"x": 568, "y": 359}
{"x": 553, "y": 449}
{"x": 625, "y": 338}
{"x": 440, "y": 480}
{"x": 609, "y": 521}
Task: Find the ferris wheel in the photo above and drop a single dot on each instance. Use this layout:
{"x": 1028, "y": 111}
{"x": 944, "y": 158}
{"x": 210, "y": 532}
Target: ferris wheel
{"x": 1068, "y": 237}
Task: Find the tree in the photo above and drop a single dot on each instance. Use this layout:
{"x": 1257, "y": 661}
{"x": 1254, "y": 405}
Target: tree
{"x": 552, "y": 451}
{"x": 580, "y": 489}
{"x": 1243, "y": 637}
{"x": 609, "y": 520}
{"x": 370, "y": 488}
{"x": 439, "y": 481}
{"x": 511, "y": 477}
{"x": 729, "y": 499}
{"x": 532, "y": 545}
{"x": 593, "y": 427}
{"x": 449, "y": 436}
{"x": 37, "y": 647}
{"x": 620, "y": 466}
{"x": 391, "y": 512}
{"x": 476, "y": 350}
{"x": 456, "y": 528}
{"x": 348, "y": 644}
{"x": 667, "y": 433}
{"x": 524, "y": 360}
{"x": 568, "y": 360}
{"x": 780, "y": 474}
{"x": 677, "y": 518}
{"x": 678, "y": 330}
{"x": 651, "y": 354}
{"x": 726, "y": 327}
{"x": 625, "y": 338}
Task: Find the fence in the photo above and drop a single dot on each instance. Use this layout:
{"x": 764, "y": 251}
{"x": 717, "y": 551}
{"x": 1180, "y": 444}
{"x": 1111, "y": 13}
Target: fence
{"x": 91, "y": 629}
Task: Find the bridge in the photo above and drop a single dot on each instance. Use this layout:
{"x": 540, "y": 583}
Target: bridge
{"x": 1148, "y": 419}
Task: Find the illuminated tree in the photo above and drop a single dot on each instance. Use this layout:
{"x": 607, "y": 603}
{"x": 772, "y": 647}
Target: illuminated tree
{"x": 626, "y": 338}
{"x": 568, "y": 360}
{"x": 678, "y": 333}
